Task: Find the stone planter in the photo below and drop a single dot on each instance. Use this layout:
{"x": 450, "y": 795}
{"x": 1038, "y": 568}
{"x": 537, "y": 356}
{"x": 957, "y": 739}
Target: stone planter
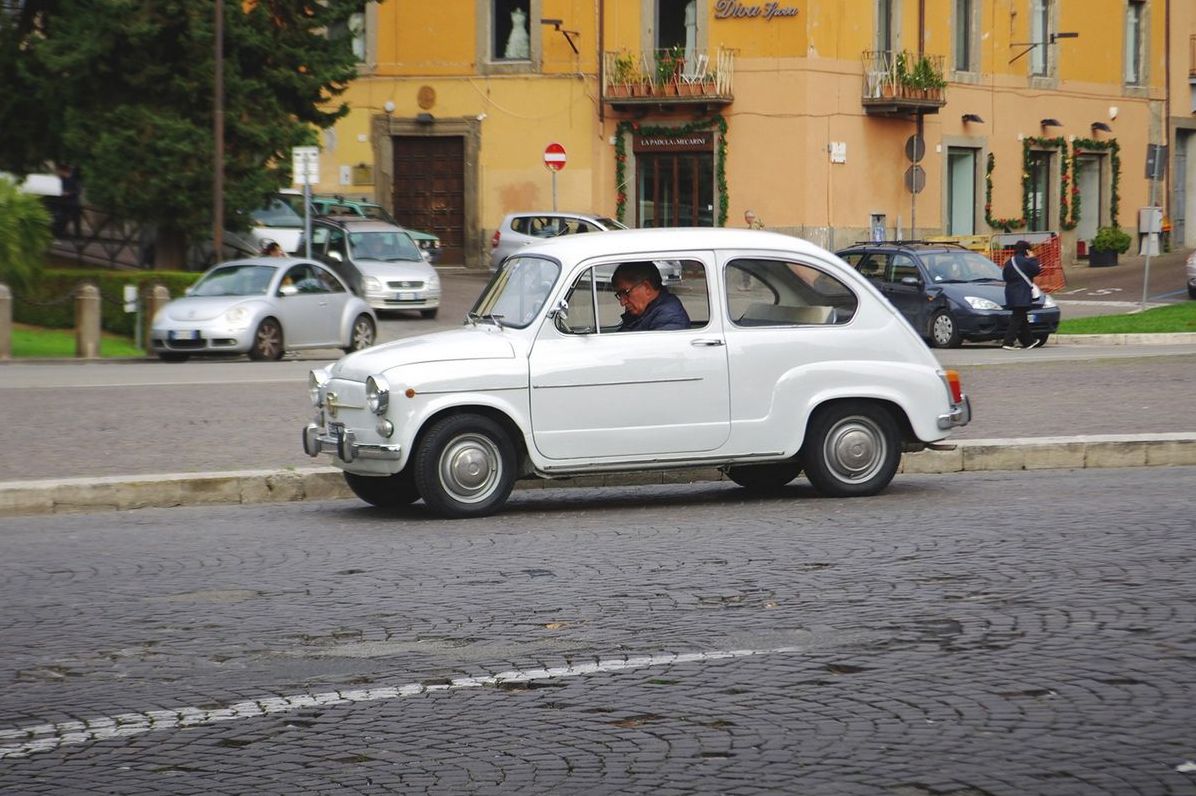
{"x": 1100, "y": 258}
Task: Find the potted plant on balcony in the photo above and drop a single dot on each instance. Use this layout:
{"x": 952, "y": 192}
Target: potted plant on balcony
{"x": 622, "y": 74}
{"x": 669, "y": 64}
{"x": 1108, "y": 243}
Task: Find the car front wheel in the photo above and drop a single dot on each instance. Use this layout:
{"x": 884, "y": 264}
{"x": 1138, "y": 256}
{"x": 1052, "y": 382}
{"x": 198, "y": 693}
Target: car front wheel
{"x": 386, "y": 491}
{"x": 362, "y": 336}
{"x": 267, "y": 341}
{"x": 173, "y": 356}
{"x": 764, "y": 477}
{"x": 464, "y": 466}
{"x": 852, "y": 449}
{"x": 428, "y": 314}
{"x": 943, "y": 331}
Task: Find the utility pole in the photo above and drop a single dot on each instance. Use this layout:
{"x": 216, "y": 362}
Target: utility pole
{"x": 218, "y": 136}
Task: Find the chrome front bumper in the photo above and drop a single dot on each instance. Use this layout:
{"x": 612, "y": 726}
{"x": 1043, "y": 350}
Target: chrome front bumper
{"x": 959, "y": 415}
{"x": 342, "y": 442}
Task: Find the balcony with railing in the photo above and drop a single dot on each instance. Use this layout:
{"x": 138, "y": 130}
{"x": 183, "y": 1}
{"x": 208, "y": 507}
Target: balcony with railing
{"x": 897, "y": 83}
{"x": 667, "y": 78}
{"x": 1192, "y": 57}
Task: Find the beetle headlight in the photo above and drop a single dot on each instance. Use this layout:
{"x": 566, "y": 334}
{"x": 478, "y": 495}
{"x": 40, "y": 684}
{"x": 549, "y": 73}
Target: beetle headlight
{"x": 977, "y": 303}
{"x": 316, "y": 380}
{"x": 237, "y": 318}
{"x": 377, "y": 394}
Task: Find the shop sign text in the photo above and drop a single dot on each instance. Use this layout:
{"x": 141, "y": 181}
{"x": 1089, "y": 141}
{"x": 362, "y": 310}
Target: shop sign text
{"x": 733, "y": 9}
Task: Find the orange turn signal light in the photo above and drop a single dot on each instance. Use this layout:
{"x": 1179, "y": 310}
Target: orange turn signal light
{"x": 955, "y": 385}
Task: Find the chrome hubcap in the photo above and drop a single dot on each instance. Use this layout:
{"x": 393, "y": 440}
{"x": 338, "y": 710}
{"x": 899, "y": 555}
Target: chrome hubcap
{"x": 470, "y": 468}
{"x": 267, "y": 340}
{"x": 855, "y": 449}
{"x": 363, "y": 335}
{"x": 943, "y": 328}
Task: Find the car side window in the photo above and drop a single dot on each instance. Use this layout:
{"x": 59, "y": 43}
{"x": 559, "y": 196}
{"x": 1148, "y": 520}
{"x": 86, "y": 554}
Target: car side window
{"x": 593, "y": 307}
{"x": 521, "y": 224}
{"x": 900, "y": 267}
{"x": 331, "y": 283}
{"x": 305, "y": 279}
{"x": 779, "y": 293}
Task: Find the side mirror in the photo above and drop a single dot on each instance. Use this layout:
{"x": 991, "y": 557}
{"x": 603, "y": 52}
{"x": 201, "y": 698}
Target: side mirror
{"x": 912, "y": 281}
{"x": 335, "y": 255}
{"x": 561, "y": 310}
{"x": 288, "y": 290}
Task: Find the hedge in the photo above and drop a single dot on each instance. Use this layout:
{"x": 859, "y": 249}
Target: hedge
{"x": 51, "y": 302}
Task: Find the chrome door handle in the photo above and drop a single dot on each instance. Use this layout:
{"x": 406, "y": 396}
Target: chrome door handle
{"x": 705, "y": 341}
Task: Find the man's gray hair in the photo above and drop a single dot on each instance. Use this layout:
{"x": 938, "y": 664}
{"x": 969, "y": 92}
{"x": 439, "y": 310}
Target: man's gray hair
{"x": 635, "y": 272}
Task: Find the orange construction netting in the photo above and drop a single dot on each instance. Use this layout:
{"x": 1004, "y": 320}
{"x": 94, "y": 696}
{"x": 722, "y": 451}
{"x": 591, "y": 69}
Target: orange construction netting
{"x": 1050, "y": 257}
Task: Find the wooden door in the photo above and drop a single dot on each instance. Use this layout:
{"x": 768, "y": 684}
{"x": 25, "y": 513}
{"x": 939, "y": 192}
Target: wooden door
{"x": 429, "y": 189}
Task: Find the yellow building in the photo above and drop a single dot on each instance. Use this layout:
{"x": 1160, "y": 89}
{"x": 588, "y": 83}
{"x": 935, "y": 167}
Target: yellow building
{"x": 680, "y": 112}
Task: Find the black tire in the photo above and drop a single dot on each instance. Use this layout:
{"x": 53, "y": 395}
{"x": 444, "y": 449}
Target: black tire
{"x": 852, "y": 449}
{"x": 363, "y": 334}
{"x": 464, "y": 466}
{"x": 267, "y": 341}
{"x": 764, "y": 477}
{"x": 1042, "y": 338}
{"x": 1192, "y": 292}
{"x": 944, "y": 332}
{"x": 173, "y": 356}
{"x": 386, "y": 491}
{"x": 429, "y": 314}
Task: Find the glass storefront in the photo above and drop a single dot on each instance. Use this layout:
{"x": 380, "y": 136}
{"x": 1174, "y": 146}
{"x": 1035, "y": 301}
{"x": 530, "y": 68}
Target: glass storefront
{"x": 674, "y": 180}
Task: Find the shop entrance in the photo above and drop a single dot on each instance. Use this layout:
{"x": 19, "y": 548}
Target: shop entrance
{"x": 674, "y": 184}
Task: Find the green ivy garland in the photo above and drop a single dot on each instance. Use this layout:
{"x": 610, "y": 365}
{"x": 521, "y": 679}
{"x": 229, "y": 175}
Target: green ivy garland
{"x": 1069, "y": 192}
{"x": 720, "y": 167}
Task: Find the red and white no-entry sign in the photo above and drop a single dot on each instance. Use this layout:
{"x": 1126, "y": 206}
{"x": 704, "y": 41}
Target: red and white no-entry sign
{"x": 554, "y": 156}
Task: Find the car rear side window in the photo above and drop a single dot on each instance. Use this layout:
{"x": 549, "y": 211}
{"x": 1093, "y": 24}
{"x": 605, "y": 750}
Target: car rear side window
{"x": 764, "y": 292}
{"x": 900, "y": 267}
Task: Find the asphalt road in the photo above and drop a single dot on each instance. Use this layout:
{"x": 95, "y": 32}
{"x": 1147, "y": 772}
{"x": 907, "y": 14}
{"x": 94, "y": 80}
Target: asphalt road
{"x": 1004, "y": 633}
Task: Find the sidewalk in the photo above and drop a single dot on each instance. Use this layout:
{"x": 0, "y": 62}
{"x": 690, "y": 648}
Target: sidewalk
{"x": 68, "y": 495}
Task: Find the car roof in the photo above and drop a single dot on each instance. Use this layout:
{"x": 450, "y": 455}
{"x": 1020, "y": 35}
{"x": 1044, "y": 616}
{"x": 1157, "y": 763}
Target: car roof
{"x": 624, "y": 242}
{"x": 911, "y": 245}
{"x": 556, "y": 214}
{"x": 359, "y": 223}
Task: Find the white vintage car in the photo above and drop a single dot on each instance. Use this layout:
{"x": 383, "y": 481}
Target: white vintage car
{"x": 792, "y": 362}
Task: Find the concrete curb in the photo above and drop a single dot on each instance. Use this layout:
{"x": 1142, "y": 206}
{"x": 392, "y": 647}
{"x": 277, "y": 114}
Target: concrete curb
{"x": 1162, "y": 338}
{"x": 70, "y": 495}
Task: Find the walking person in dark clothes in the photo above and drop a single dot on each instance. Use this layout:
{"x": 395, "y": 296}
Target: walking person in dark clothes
{"x": 1019, "y": 272}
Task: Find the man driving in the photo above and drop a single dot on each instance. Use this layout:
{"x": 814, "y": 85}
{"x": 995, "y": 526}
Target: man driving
{"x": 647, "y": 304}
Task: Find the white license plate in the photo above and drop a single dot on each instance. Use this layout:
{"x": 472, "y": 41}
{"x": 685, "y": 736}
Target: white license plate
{"x": 184, "y": 334}
{"x": 336, "y": 430}
{"x": 404, "y": 297}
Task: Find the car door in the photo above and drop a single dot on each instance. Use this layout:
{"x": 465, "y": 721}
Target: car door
{"x": 597, "y": 393}
{"x": 904, "y": 288}
{"x": 305, "y": 307}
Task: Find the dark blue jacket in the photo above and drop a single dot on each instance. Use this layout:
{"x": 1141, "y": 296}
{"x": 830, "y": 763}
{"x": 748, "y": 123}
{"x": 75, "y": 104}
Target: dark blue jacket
{"x": 1017, "y": 292}
{"x": 663, "y": 312}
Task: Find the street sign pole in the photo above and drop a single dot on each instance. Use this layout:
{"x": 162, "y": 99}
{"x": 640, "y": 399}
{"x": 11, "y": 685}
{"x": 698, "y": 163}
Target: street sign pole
{"x": 554, "y": 191}
{"x": 305, "y": 169}
{"x": 307, "y": 219}
{"x": 1156, "y": 161}
{"x": 1149, "y": 247}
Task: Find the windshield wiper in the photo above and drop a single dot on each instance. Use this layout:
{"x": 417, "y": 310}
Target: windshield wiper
{"x": 474, "y": 317}
{"x": 987, "y": 279}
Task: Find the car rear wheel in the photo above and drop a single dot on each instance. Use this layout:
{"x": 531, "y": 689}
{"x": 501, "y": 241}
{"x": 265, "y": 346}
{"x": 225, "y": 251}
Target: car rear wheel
{"x": 267, "y": 341}
{"x": 764, "y": 477}
{"x": 852, "y": 449}
{"x": 464, "y": 466}
{"x": 429, "y": 314}
{"x": 943, "y": 331}
{"x": 173, "y": 356}
{"x": 362, "y": 336}
{"x": 386, "y": 491}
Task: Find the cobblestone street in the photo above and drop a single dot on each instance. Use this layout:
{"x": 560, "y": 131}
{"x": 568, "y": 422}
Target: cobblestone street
{"x": 1005, "y": 633}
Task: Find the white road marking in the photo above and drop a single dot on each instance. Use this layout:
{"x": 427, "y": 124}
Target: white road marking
{"x": 47, "y": 737}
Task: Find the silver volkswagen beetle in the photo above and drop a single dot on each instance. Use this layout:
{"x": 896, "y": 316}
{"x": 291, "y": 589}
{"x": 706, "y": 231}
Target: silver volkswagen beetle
{"x": 263, "y": 306}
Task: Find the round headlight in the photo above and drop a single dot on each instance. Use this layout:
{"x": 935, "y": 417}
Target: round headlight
{"x": 316, "y": 380}
{"x": 377, "y": 394}
{"x": 237, "y": 317}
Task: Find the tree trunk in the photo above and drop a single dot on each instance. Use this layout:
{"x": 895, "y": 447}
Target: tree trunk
{"x": 170, "y": 251}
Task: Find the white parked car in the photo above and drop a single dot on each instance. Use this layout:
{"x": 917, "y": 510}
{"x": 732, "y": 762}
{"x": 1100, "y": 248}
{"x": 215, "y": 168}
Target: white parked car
{"x": 792, "y": 362}
{"x": 521, "y": 229}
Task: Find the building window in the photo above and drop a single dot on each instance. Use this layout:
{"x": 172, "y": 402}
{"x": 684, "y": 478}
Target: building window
{"x": 1040, "y": 25}
{"x": 886, "y": 38}
{"x": 1135, "y": 42}
{"x": 509, "y": 26}
{"x": 964, "y": 46}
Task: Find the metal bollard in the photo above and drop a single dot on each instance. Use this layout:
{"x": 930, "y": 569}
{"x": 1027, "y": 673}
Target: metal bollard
{"x": 87, "y": 321}
{"x": 153, "y": 298}
{"x": 5, "y": 322}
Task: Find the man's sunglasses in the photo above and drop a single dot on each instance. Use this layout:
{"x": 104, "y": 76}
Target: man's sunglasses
{"x": 622, "y": 294}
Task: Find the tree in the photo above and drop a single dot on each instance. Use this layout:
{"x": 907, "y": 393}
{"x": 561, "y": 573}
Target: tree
{"x": 124, "y": 90}
{"x": 24, "y": 235}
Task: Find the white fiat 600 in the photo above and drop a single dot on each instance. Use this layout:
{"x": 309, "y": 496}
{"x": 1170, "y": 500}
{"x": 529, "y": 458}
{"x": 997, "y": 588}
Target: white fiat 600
{"x": 791, "y": 362}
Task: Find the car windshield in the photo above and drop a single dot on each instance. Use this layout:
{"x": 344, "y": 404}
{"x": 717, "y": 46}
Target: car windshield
{"x": 376, "y": 212}
{"x": 387, "y": 246}
{"x": 235, "y": 280}
{"x": 517, "y": 292}
{"x": 961, "y": 266}
{"x": 277, "y": 213}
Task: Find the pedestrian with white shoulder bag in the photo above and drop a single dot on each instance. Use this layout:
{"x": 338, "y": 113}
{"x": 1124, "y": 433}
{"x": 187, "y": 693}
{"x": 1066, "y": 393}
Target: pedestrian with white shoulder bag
{"x": 1020, "y": 295}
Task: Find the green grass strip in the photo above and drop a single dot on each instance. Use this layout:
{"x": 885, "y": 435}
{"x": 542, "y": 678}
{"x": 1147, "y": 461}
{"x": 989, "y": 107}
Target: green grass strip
{"x": 1160, "y": 320}
{"x": 30, "y": 342}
